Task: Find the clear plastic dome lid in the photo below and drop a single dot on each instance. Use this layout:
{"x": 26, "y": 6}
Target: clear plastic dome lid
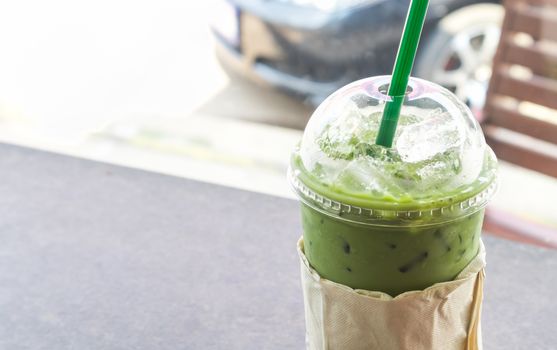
{"x": 439, "y": 158}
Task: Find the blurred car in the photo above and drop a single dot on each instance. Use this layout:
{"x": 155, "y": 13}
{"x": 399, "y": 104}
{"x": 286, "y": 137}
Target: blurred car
{"x": 310, "y": 48}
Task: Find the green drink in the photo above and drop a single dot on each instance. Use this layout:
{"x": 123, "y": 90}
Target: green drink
{"x": 392, "y": 219}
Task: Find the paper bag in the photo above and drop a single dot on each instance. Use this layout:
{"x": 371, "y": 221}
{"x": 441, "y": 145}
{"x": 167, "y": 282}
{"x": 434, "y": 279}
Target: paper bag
{"x": 445, "y": 316}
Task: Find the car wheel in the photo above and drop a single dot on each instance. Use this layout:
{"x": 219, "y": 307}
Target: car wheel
{"x": 459, "y": 52}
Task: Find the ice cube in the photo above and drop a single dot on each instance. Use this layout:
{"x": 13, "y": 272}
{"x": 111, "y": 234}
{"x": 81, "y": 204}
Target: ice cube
{"x": 429, "y": 137}
{"x": 368, "y": 175}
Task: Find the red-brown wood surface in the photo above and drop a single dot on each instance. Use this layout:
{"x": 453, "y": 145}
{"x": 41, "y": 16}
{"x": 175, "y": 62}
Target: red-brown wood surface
{"x": 511, "y": 226}
{"x": 549, "y": 3}
{"x": 537, "y": 89}
{"x": 510, "y": 118}
{"x": 522, "y": 153}
{"x": 509, "y": 88}
{"x": 541, "y": 61}
{"x": 539, "y": 22}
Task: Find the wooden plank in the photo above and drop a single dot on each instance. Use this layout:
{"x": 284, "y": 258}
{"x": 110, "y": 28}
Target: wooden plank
{"x": 542, "y": 91}
{"x": 499, "y": 55}
{"x": 520, "y": 153}
{"x": 541, "y": 62}
{"x": 534, "y": 2}
{"x": 540, "y": 23}
{"x": 510, "y": 226}
{"x": 521, "y": 17}
{"x": 499, "y": 115}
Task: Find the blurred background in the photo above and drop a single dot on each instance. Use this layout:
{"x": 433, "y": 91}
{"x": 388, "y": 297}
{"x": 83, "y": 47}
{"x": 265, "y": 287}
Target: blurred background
{"x": 221, "y": 90}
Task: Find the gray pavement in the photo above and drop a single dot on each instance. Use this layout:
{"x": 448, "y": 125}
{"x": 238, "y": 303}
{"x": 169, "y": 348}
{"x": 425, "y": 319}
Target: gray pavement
{"x": 95, "y": 256}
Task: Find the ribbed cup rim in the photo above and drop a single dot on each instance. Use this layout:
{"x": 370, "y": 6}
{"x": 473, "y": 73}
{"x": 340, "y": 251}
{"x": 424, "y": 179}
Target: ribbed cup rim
{"x": 362, "y": 215}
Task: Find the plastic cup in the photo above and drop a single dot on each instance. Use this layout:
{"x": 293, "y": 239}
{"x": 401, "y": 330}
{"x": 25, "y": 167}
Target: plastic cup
{"x": 392, "y": 219}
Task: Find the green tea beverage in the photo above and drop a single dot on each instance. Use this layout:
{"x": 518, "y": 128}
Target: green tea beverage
{"x": 392, "y": 219}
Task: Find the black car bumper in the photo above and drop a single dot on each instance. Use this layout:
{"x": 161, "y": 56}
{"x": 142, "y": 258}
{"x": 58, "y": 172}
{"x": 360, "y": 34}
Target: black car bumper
{"x": 309, "y": 52}
{"x": 312, "y": 53}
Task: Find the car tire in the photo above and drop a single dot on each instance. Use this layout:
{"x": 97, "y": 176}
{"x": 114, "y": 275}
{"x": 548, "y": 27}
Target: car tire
{"x": 433, "y": 55}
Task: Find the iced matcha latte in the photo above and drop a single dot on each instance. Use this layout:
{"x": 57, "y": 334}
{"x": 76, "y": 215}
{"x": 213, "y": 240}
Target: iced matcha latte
{"x": 392, "y": 219}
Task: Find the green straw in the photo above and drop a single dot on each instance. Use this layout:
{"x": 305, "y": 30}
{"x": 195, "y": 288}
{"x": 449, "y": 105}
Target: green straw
{"x": 401, "y": 72}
